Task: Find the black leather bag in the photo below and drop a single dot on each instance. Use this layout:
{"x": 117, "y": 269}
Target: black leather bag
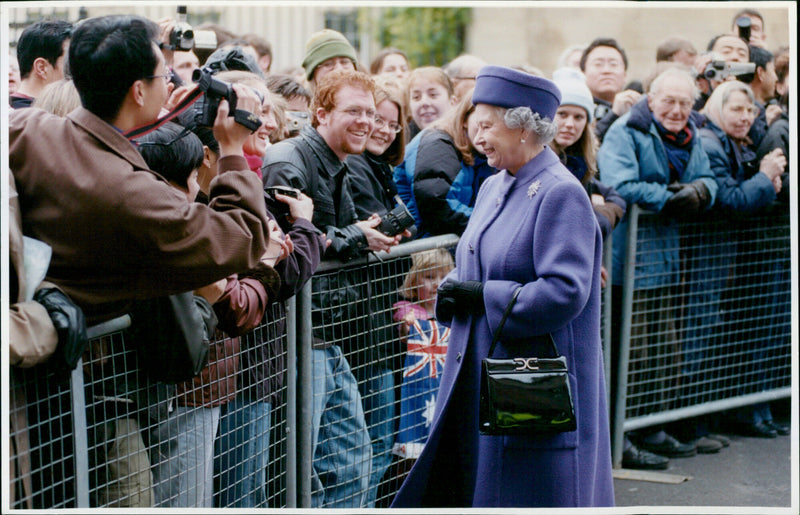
{"x": 525, "y": 395}
{"x": 168, "y": 334}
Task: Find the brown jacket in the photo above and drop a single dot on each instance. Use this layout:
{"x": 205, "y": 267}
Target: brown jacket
{"x": 118, "y": 230}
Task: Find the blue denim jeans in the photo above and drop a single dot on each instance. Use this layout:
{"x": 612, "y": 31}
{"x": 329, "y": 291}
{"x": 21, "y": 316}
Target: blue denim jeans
{"x": 342, "y": 451}
{"x": 242, "y": 454}
{"x": 376, "y": 385}
{"x": 183, "y": 458}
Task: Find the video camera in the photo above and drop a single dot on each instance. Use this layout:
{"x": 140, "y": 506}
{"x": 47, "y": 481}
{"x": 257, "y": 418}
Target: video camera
{"x": 215, "y": 90}
{"x": 719, "y": 70}
{"x": 184, "y": 38}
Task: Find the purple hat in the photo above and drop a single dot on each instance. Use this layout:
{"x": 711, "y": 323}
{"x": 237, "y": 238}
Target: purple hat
{"x": 505, "y": 87}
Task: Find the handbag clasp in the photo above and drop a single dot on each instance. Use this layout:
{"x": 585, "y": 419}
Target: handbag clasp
{"x": 526, "y": 363}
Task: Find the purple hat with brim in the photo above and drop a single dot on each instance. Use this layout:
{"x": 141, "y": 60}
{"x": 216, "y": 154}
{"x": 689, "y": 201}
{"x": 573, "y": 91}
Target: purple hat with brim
{"x": 505, "y": 87}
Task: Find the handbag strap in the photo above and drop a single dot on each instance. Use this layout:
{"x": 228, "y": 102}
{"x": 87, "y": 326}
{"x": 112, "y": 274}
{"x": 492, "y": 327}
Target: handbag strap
{"x": 509, "y": 307}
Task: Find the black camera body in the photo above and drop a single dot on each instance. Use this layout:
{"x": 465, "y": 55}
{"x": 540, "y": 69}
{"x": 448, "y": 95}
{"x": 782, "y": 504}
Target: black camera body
{"x": 719, "y": 70}
{"x": 205, "y": 109}
{"x": 295, "y": 121}
{"x": 280, "y": 210}
{"x": 743, "y": 24}
{"x": 396, "y": 221}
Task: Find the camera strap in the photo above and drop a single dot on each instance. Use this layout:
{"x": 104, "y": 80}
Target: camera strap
{"x": 187, "y": 101}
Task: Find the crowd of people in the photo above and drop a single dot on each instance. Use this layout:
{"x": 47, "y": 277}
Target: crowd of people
{"x": 151, "y": 171}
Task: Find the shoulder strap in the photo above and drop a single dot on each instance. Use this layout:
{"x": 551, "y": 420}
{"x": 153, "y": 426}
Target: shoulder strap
{"x": 509, "y": 307}
{"x": 507, "y": 312}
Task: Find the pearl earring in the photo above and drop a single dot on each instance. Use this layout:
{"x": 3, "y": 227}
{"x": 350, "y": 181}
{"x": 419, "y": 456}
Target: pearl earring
{"x": 522, "y": 140}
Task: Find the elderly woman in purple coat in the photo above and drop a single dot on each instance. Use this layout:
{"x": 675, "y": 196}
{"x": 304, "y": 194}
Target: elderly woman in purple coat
{"x": 532, "y": 226}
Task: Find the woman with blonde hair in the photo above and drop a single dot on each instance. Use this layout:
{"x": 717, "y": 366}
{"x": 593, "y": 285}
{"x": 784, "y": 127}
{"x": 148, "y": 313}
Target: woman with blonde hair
{"x": 59, "y": 97}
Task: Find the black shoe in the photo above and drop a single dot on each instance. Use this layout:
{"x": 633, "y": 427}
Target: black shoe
{"x": 670, "y": 447}
{"x": 706, "y": 445}
{"x": 724, "y": 440}
{"x": 779, "y": 428}
{"x": 635, "y": 458}
{"x": 758, "y": 429}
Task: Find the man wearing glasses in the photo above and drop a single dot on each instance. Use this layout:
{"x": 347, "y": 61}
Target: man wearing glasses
{"x": 342, "y": 118}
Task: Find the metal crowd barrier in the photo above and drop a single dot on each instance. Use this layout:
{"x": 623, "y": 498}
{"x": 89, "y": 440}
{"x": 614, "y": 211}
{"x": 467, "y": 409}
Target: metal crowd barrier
{"x": 90, "y": 440}
{"x": 713, "y": 333}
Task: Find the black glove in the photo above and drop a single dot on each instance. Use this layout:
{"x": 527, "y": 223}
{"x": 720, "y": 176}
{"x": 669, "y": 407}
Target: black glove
{"x": 459, "y": 298}
{"x": 70, "y": 326}
{"x": 688, "y": 199}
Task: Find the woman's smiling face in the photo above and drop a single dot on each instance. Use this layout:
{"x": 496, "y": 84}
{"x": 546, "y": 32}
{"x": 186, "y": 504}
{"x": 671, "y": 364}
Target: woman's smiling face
{"x": 501, "y": 145}
{"x": 382, "y": 138}
{"x": 428, "y": 101}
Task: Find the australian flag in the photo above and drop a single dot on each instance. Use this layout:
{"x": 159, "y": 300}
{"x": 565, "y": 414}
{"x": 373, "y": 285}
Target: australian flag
{"x": 427, "y": 348}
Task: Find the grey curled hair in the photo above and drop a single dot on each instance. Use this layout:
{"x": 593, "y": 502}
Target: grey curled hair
{"x": 524, "y": 118}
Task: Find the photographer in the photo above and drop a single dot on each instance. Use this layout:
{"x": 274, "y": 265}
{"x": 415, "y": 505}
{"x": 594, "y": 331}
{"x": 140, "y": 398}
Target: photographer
{"x": 112, "y": 223}
{"x": 716, "y": 65}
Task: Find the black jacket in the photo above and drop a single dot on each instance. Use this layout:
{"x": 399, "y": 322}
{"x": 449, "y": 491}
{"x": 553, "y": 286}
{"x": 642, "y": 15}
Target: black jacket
{"x": 372, "y": 185}
{"x": 307, "y": 163}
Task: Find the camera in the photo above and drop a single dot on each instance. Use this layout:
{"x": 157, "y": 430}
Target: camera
{"x": 279, "y": 209}
{"x": 215, "y": 90}
{"x": 295, "y": 121}
{"x": 184, "y": 38}
{"x": 743, "y": 24}
{"x": 719, "y": 70}
{"x": 397, "y": 220}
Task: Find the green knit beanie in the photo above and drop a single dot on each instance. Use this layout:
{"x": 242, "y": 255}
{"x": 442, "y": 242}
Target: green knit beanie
{"x": 324, "y": 45}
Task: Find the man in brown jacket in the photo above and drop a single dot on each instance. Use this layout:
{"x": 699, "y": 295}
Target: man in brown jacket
{"x": 118, "y": 231}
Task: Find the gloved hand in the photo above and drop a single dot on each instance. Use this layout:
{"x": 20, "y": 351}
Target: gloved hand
{"x": 688, "y": 199}
{"x": 459, "y": 298}
{"x": 70, "y": 326}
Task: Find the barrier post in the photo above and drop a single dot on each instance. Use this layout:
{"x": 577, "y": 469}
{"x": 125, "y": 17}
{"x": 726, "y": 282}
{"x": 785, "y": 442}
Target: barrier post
{"x": 291, "y": 403}
{"x": 304, "y": 406}
{"x": 629, "y": 269}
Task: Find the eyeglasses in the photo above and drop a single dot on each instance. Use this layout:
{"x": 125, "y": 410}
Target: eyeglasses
{"x": 670, "y": 103}
{"x": 380, "y": 123}
{"x": 167, "y": 77}
{"x": 357, "y": 112}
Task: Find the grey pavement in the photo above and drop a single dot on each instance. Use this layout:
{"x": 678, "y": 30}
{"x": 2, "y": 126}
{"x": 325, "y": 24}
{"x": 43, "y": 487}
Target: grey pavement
{"x": 752, "y": 472}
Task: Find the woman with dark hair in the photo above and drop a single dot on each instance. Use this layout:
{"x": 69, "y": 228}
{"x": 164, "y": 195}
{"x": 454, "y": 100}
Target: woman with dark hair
{"x": 391, "y": 61}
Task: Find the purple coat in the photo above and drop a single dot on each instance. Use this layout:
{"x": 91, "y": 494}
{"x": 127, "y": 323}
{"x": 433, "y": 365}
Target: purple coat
{"x": 536, "y": 229}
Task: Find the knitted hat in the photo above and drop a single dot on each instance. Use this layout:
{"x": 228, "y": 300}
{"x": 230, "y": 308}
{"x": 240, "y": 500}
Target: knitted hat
{"x": 506, "y": 87}
{"x": 574, "y": 91}
{"x": 324, "y": 45}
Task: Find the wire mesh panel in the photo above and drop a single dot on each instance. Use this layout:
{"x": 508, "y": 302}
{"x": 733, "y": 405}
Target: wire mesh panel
{"x": 42, "y": 459}
{"x": 713, "y": 323}
{"x": 369, "y": 320}
{"x": 250, "y": 449}
{"x": 218, "y": 439}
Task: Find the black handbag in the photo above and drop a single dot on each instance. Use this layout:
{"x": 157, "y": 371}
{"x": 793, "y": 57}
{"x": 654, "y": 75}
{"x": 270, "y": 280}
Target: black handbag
{"x": 525, "y": 395}
{"x": 168, "y": 334}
